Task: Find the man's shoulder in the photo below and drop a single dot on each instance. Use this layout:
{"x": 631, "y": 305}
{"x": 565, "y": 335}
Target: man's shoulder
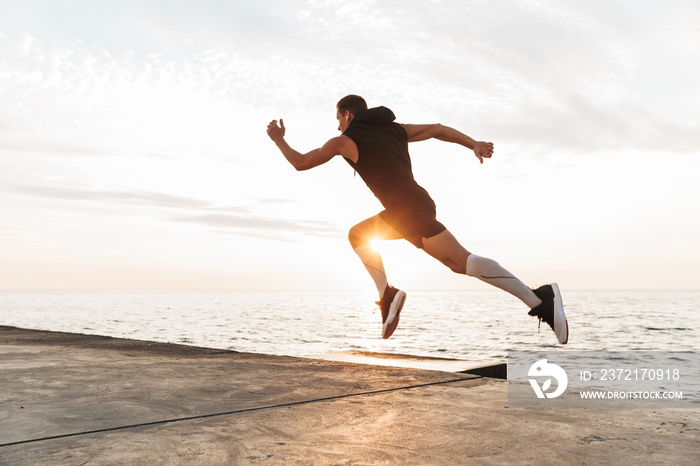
{"x": 341, "y": 140}
{"x": 343, "y": 145}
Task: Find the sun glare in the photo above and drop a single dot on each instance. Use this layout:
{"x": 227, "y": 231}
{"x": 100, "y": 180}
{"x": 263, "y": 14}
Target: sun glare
{"x": 376, "y": 245}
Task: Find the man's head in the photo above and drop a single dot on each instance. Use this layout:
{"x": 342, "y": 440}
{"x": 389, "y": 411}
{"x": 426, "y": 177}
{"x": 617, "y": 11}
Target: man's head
{"x": 347, "y": 108}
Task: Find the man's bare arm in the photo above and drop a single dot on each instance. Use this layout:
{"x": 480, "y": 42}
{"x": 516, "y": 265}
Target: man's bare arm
{"x": 483, "y": 150}
{"x": 335, "y": 146}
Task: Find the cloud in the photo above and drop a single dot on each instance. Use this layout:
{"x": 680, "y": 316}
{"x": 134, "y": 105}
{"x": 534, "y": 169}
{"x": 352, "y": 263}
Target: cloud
{"x": 26, "y": 144}
{"x": 275, "y": 201}
{"x": 233, "y": 219}
{"x": 548, "y": 73}
{"x": 272, "y": 228}
{"x": 143, "y": 198}
{"x": 568, "y": 76}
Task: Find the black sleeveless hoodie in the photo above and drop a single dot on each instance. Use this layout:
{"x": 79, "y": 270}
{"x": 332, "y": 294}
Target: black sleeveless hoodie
{"x": 383, "y": 162}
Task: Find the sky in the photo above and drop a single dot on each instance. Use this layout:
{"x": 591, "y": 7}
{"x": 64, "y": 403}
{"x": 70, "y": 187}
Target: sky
{"x": 133, "y": 150}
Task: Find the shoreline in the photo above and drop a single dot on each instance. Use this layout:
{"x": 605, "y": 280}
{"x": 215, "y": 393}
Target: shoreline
{"x": 15, "y": 335}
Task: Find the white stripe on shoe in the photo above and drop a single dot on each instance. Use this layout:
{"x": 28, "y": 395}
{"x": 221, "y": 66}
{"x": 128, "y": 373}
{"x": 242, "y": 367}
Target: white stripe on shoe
{"x": 561, "y": 325}
{"x": 392, "y": 319}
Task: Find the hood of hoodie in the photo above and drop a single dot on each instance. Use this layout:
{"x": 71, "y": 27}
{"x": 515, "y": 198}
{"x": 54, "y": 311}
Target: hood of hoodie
{"x": 376, "y": 116}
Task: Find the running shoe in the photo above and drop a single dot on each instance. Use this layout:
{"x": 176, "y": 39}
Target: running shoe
{"x": 552, "y": 311}
{"x": 391, "y": 305}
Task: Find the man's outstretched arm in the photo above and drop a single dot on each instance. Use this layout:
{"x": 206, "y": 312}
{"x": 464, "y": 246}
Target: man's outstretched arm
{"x": 311, "y": 159}
{"x": 483, "y": 150}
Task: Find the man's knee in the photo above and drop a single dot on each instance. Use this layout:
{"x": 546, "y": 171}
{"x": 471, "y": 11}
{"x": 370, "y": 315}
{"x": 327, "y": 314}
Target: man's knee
{"x": 355, "y": 236}
{"x": 457, "y": 266}
{"x": 454, "y": 262}
{"x": 445, "y": 248}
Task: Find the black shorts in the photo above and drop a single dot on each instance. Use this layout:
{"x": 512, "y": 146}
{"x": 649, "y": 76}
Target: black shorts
{"x": 414, "y": 224}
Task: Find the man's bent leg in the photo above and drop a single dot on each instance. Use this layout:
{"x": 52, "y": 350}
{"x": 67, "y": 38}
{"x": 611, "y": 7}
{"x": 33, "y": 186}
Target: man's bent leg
{"x": 445, "y": 248}
{"x": 360, "y": 237}
{"x": 391, "y": 300}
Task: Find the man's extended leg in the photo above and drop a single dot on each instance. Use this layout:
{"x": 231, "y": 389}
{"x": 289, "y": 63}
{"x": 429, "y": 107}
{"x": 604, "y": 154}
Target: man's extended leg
{"x": 445, "y": 248}
{"x": 545, "y": 302}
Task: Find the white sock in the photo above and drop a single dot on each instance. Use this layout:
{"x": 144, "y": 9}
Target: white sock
{"x": 374, "y": 265}
{"x": 491, "y": 272}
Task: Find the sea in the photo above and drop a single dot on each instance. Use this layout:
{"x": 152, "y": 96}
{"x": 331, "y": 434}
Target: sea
{"x": 470, "y": 325}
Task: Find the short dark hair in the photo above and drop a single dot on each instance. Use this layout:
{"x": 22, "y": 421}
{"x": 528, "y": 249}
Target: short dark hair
{"x": 353, "y": 103}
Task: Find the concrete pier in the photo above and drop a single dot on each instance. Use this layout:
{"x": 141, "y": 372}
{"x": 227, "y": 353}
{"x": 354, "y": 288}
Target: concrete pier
{"x": 80, "y": 399}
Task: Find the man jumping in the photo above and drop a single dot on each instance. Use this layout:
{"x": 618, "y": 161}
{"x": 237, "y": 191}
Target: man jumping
{"x": 377, "y": 148}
